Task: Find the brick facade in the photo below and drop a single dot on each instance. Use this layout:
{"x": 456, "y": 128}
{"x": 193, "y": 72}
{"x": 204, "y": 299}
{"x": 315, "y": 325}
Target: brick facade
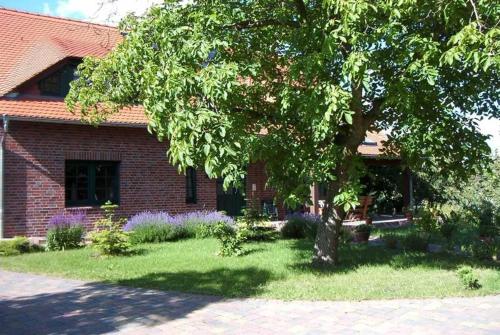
{"x": 35, "y": 155}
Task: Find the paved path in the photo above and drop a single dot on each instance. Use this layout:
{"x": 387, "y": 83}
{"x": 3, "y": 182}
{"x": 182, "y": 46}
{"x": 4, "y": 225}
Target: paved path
{"x": 33, "y": 304}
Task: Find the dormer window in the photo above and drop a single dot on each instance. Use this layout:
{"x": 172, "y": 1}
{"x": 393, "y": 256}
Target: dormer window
{"x": 57, "y": 83}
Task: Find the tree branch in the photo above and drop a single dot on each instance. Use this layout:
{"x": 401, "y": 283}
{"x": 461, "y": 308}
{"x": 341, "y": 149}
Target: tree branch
{"x": 301, "y": 8}
{"x": 248, "y": 24}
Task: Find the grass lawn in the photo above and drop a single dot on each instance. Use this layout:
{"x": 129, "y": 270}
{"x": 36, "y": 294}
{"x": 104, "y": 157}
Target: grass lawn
{"x": 268, "y": 269}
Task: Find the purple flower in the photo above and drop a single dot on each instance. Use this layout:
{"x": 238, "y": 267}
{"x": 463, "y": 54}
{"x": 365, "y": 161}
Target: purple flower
{"x": 184, "y": 219}
{"x": 148, "y": 219}
{"x": 66, "y": 220}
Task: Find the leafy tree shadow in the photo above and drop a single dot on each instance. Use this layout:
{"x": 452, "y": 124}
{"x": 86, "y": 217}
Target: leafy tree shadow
{"x": 246, "y": 282}
{"x": 353, "y": 257}
{"x": 98, "y": 308}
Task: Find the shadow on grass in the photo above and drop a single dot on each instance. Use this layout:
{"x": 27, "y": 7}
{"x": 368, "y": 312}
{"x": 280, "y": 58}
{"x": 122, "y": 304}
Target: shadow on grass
{"x": 98, "y": 308}
{"x": 245, "y": 282}
{"x": 355, "y": 256}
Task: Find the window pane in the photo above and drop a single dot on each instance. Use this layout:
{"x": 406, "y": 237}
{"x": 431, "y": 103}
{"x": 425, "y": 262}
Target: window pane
{"x": 91, "y": 183}
{"x": 105, "y": 182}
{"x": 77, "y": 182}
{"x": 191, "y": 185}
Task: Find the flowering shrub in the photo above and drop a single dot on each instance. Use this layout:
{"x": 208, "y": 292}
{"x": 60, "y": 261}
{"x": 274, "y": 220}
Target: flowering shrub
{"x": 300, "y": 225}
{"x": 160, "y": 227}
{"x": 65, "y": 231}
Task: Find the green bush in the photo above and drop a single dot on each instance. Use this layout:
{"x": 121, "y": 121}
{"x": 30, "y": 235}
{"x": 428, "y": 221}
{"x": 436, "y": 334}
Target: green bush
{"x": 110, "y": 239}
{"x": 391, "y": 240}
{"x": 415, "y": 242}
{"x": 482, "y": 250}
{"x": 202, "y": 230}
{"x": 468, "y": 278}
{"x": 300, "y": 225}
{"x": 15, "y": 246}
{"x": 230, "y": 241}
{"x": 346, "y": 236}
{"x": 61, "y": 238}
{"x": 447, "y": 230}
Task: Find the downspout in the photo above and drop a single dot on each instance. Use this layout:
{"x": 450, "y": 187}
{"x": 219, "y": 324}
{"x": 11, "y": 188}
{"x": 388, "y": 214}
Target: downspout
{"x": 2, "y": 145}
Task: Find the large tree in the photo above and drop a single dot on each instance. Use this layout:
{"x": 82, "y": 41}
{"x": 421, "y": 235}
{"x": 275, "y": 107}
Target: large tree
{"x": 298, "y": 83}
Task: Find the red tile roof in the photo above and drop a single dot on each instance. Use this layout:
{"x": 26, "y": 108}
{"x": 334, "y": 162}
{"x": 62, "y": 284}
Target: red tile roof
{"x": 36, "y": 109}
{"x": 31, "y": 43}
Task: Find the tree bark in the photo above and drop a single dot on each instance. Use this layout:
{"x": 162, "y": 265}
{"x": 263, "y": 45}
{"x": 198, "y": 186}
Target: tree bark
{"x": 326, "y": 246}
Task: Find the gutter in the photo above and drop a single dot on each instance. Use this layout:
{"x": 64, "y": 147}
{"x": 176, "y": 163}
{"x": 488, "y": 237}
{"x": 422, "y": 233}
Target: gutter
{"x": 2, "y": 145}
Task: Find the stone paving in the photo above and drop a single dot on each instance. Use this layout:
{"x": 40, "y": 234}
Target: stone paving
{"x": 34, "y": 304}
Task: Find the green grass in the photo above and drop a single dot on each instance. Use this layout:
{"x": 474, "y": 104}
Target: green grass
{"x": 277, "y": 269}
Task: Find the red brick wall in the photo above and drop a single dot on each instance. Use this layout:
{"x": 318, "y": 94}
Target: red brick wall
{"x": 35, "y": 156}
{"x": 257, "y": 179}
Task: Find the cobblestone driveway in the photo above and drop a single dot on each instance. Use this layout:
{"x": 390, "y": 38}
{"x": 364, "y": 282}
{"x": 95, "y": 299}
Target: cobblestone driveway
{"x": 33, "y": 304}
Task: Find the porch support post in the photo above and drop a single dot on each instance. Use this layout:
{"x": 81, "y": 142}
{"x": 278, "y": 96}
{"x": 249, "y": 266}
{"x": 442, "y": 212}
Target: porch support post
{"x": 314, "y": 208}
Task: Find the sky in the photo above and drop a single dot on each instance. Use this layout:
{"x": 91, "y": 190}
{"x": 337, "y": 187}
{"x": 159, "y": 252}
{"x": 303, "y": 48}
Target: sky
{"x": 96, "y": 11}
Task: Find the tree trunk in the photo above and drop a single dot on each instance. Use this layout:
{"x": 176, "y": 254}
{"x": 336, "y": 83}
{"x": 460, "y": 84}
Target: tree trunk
{"x": 326, "y": 246}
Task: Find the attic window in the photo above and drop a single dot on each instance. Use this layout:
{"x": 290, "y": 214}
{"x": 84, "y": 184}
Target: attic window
{"x": 57, "y": 83}
{"x": 369, "y": 141}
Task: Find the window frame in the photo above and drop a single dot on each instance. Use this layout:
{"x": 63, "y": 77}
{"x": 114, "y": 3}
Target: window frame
{"x": 191, "y": 182}
{"x": 91, "y": 187}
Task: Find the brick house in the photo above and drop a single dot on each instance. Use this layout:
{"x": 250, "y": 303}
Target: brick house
{"x": 50, "y": 162}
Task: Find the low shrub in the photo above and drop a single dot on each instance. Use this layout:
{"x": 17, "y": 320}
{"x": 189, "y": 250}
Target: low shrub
{"x": 300, "y": 225}
{"x": 230, "y": 241}
{"x": 65, "y": 231}
{"x": 109, "y": 238}
{"x": 15, "y": 246}
{"x": 415, "y": 242}
{"x": 482, "y": 250}
{"x": 468, "y": 278}
{"x": 391, "y": 241}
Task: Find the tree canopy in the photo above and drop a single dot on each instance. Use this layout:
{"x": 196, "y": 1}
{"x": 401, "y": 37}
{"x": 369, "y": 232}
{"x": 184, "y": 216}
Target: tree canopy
{"x": 298, "y": 83}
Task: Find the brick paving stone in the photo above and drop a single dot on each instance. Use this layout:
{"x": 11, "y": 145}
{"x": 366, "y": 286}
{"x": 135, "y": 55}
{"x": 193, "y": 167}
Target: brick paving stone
{"x": 44, "y": 305}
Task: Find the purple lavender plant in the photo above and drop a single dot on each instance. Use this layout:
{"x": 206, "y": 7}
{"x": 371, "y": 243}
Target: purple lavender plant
{"x": 180, "y": 220}
{"x": 148, "y": 219}
{"x": 203, "y": 217}
{"x": 67, "y": 220}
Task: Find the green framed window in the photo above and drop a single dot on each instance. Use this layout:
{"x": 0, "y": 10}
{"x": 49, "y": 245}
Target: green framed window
{"x": 191, "y": 185}
{"x": 91, "y": 183}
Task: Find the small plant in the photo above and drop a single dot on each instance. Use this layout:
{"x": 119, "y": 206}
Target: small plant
{"x": 15, "y": 246}
{"x": 415, "y": 242}
{"x": 300, "y": 225}
{"x": 65, "y": 231}
{"x": 230, "y": 241}
{"x": 391, "y": 241}
{"x": 110, "y": 239}
{"x": 468, "y": 278}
